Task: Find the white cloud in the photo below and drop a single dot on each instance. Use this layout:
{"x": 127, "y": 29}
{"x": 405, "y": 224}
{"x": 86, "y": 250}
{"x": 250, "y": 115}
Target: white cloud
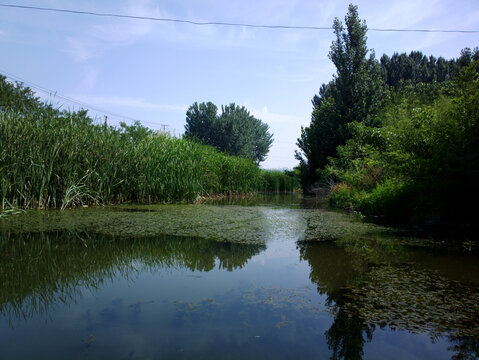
{"x": 273, "y": 119}
{"x": 404, "y": 14}
{"x": 80, "y": 49}
{"x": 98, "y": 39}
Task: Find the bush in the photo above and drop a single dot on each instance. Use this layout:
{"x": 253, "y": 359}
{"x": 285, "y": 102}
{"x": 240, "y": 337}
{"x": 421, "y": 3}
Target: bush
{"x": 422, "y": 163}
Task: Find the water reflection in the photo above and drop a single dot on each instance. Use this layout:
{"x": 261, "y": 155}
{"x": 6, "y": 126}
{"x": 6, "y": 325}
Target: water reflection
{"x": 369, "y": 288}
{"x": 286, "y": 279}
{"x": 39, "y": 271}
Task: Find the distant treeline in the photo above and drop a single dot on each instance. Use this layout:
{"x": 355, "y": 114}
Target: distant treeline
{"x": 396, "y": 138}
{"x": 53, "y": 158}
{"x": 418, "y": 68}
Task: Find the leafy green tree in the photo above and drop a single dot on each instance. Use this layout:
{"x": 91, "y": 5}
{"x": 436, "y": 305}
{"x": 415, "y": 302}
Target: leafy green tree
{"x": 235, "y": 131}
{"x": 401, "y": 70}
{"x": 356, "y": 93}
{"x": 422, "y": 163}
{"x": 16, "y": 97}
{"x": 201, "y": 122}
{"x": 135, "y": 132}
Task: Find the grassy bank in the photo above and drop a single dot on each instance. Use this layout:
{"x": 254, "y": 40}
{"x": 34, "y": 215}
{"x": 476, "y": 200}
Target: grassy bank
{"x": 57, "y": 159}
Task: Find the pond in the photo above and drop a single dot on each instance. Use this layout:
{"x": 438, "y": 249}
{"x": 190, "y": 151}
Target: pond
{"x": 270, "y": 277}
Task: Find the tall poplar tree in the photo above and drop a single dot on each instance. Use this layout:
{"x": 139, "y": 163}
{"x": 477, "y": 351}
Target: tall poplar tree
{"x": 354, "y": 94}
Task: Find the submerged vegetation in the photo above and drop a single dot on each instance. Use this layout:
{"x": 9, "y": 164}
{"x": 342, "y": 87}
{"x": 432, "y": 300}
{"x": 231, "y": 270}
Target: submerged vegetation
{"x": 371, "y": 284}
{"x": 30, "y": 287}
{"x": 400, "y": 289}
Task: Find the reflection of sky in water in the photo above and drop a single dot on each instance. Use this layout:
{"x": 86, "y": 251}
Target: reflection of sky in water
{"x": 279, "y": 300}
{"x": 182, "y": 312}
{"x": 267, "y": 309}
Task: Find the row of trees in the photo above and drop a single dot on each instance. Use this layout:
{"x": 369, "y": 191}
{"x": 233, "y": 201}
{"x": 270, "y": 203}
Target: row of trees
{"x": 397, "y": 136}
{"x": 418, "y": 68}
{"x": 235, "y": 131}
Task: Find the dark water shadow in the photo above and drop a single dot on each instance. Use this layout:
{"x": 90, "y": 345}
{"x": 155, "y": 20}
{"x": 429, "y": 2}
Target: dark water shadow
{"x": 396, "y": 289}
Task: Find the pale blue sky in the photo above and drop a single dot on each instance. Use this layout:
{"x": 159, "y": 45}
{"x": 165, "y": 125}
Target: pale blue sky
{"x": 152, "y": 71}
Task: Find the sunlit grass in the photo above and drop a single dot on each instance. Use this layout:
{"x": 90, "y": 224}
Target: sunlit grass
{"x": 53, "y": 159}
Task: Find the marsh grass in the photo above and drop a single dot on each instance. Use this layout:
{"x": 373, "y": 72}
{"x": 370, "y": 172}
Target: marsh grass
{"x": 61, "y": 159}
{"x": 280, "y": 181}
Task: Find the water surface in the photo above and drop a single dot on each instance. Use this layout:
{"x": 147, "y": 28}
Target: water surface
{"x": 264, "y": 278}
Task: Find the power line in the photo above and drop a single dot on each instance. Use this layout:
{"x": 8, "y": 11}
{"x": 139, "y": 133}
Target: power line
{"x": 55, "y": 94}
{"x": 221, "y": 23}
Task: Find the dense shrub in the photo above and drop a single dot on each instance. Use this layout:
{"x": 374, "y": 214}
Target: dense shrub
{"x": 422, "y": 162}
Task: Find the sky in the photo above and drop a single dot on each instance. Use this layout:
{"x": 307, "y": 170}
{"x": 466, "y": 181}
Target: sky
{"x": 153, "y": 71}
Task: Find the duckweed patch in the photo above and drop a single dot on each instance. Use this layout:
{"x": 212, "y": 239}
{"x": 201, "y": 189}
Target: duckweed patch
{"x": 417, "y": 301}
{"x": 232, "y": 223}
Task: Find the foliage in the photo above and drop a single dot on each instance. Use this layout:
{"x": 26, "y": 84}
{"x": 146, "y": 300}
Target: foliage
{"x": 355, "y": 94}
{"x": 235, "y": 131}
{"x": 361, "y": 89}
{"x": 52, "y": 158}
{"x": 422, "y": 163}
{"x": 280, "y": 181}
{"x": 135, "y": 132}
{"x": 396, "y": 138}
{"x": 417, "y": 68}
{"x": 16, "y": 96}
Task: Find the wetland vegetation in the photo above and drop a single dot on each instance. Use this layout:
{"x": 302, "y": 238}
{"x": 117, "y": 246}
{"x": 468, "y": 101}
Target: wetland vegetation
{"x": 398, "y": 137}
{"x": 51, "y": 158}
{"x": 184, "y": 259}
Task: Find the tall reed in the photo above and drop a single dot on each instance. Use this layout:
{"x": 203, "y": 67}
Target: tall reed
{"x": 58, "y": 159}
{"x": 280, "y": 181}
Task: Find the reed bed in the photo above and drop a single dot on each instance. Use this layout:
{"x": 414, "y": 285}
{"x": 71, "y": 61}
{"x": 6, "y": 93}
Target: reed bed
{"x": 280, "y": 181}
{"x": 60, "y": 159}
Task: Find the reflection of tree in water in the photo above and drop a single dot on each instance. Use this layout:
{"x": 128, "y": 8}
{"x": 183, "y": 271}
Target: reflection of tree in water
{"x": 333, "y": 270}
{"x": 348, "y": 333}
{"x": 41, "y": 270}
{"x": 463, "y": 347}
{"x": 363, "y": 294}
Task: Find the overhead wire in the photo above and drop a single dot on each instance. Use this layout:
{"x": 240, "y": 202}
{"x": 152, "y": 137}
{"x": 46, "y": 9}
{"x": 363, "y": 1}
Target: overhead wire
{"x": 55, "y": 94}
{"x": 221, "y": 23}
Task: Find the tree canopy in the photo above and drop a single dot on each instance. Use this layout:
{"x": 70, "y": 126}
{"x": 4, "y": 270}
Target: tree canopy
{"x": 355, "y": 94}
{"x": 397, "y": 137}
{"x": 235, "y": 131}
{"x": 361, "y": 88}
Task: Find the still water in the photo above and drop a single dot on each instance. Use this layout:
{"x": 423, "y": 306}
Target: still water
{"x": 264, "y": 278}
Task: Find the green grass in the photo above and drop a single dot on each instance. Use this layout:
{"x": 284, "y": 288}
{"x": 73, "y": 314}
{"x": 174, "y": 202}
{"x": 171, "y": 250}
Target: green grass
{"x": 280, "y": 181}
{"x": 62, "y": 159}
